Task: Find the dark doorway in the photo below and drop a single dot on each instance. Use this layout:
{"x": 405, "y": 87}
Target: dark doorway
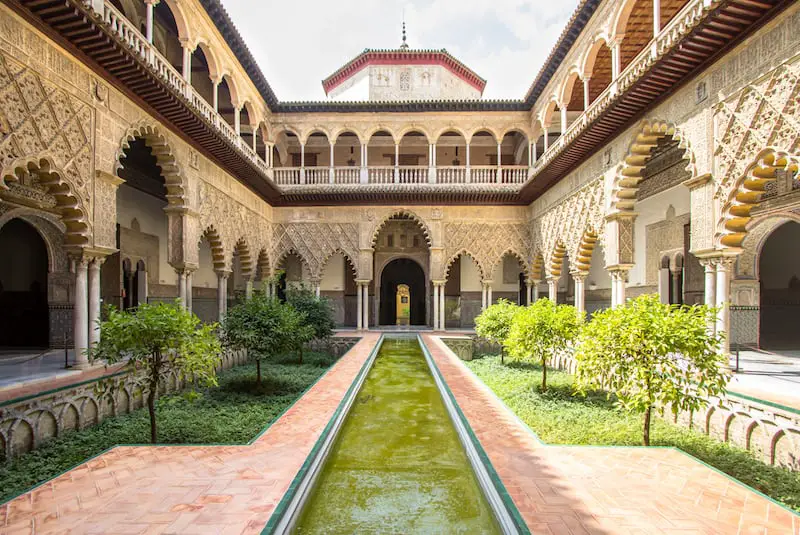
{"x": 24, "y": 316}
{"x": 402, "y": 271}
{"x": 779, "y": 275}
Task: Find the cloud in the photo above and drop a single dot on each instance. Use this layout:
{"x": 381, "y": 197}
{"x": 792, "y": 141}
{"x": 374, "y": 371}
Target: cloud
{"x": 298, "y": 43}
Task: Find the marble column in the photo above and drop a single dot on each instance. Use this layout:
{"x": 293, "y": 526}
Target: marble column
{"x": 189, "y": 284}
{"x": 149, "y": 5}
{"x": 535, "y": 291}
{"x": 182, "y": 286}
{"x": 187, "y": 62}
{"x": 710, "y": 282}
{"x": 435, "y": 306}
{"x": 724, "y": 266}
{"x": 94, "y": 300}
{"x": 552, "y": 289}
{"x": 618, "y": 279}
{"x": 580, "y": 295}
{"x": 442, "y": 315}
{"x": 248, "y": 289}
{"x": 483, "y": 296}
{"x": 586, "y": 97}
{"x": 359, "y": 307}
{"x": 366, "y": 307}
{"x": 222, "y": 294}
{"x": 489, "y": 293}
{"x": 80, "y": 313}
{"x": 528, "y": 292}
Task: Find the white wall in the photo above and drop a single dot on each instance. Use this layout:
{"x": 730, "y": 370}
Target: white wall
{"x": 509, "y": 263}
{"x": 149, "y": 212}
{"x": 652, "y": 210}
{"x": 470, "y": 275}
{"x": 597, "y": 271}
{"x": 205, "y": 277}
{"x": 333, "y": 274}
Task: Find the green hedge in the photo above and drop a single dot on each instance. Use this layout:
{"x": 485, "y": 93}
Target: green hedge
{"x": 232, "y": 413}
{"x": 561, "y": 416}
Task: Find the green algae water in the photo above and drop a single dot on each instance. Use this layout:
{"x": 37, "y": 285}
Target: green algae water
{"x": 397, "y": 465}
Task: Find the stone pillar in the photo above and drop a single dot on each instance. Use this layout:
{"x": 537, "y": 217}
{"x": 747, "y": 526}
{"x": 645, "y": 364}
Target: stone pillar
{"x": 468, "y": 172}
{"x": 396, "y": 163}
{"x": 535, "y": 155}
{"x": 302, "y": 163}
{"x": 215, "y": 93}
{"x": 563, "y": 110}
{"x": 222, "y": 294}
{"x": 528, "y": 292}
{"x": 237, "y": 120}
{"x": 488, "y": 293}
{"x": 586, "y": 101}
{"x": 616, "y": 61}
{"x": 724, "y": 266}
{"x": 332, "y": 166}
{"x": 552, "y": 289}
{"x": 435, "y": 306}
{"x": 483, "y": 296}
{"x": 359, "y": 307}
{"x": 546, "y": 139}
{"x": 149, "y": 5}
{"x": 442, "y": 315}
{"x": 656, "y": 17}
{"x": 255, "y": 138}
{"x": 710, "y": 286}
{"x": 317, "y": 290}
{"x": 80, "y": 313}
{"x": 580, "y": 297}
{"x": 94, "y": 300}
{"x": 535, "y": 290}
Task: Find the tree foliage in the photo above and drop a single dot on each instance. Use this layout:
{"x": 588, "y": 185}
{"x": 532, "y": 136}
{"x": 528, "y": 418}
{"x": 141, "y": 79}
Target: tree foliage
{"x": 263, "y": 326}
{"x": 648, "y": 353}
{"x": 494, "y": 323}
{"x": 159, "y": 337}
{"x": 540, "y": 331}
{"x": 318, "y": 311}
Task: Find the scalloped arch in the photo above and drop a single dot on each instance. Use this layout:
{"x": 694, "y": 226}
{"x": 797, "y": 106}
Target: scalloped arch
{"x": 401, "y": 212}
{"x": 514, "y": 253}
{"x": 333, "y": 252}
{"x": 630, "y": 171}
{"x": 154, "y": 138}
{"x": 463, "y": 252}
{"x": 217, "y": 248}
{"x": 73, "y": 212}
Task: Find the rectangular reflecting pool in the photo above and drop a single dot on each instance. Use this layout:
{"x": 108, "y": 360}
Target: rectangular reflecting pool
{"x": 397, "y": 465}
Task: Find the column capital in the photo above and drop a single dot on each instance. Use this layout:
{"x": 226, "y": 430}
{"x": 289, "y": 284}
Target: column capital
{"x": 579, "y": 275}
{"x": 697, "y": 181}
{"x": 152, "y": 2}
{"x": 621, "y": 215}
{"x": 487, "y": 282}
{"x": 363, "y": 282}
{"x": 438, "y": 282}
{"x": 222, "y": 273}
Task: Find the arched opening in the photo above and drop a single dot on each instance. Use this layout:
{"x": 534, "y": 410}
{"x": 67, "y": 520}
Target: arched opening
{"x": 316, "y": 157}
{"x": 463, "y": 292}
{"x": 142, "y": 233}
{"x": 414, "y": 157}
{"x": 24, "y": 313}
{"x": 165, "y": 35}
{"x": 639, "y": 28}
{"x": 598, "y": 282}
{"x": 482, "y": 146}
{"x": 294, "y": 274}
{"x": 201, "y": 75}
{"x": 598, "y": 69}
{"x": 225, "y": 105}
{"x": 338, "y": 284}
{"x": 246, "y": 125}
{"x": 205, "y": 283}
{"x": 513, "y": 157}
{"x": 451, "y": 148}
{"x": 508, "y": 280}
{"x": 402, "y": 271}
{"x": 347, "y": 158}
{"x": 779, "y": 280}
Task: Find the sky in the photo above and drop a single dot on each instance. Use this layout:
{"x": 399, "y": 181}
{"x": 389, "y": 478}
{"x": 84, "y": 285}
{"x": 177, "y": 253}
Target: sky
{"x": 297, "y": 43}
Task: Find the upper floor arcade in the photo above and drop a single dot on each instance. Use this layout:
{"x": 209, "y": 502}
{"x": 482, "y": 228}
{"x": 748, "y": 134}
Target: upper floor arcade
{"x": 186, "y": 62}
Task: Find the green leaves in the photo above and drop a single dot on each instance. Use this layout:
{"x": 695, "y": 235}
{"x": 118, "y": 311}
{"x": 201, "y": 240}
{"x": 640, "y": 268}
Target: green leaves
{"x": 494, "y": 323}
{"x": 262, "y": 325}
{"x": 160, "y": 333}
{"x": 651, "y": 354}
{"x": 539, "y": 331}
{"x": 317, "y": 311}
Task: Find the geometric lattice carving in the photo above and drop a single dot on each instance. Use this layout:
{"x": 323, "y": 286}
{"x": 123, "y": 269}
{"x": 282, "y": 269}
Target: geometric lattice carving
{"x": 487, "y": 243}
{"x": 314, "y": 243}
{"x": 758, "y": 134}
{"x": 45, "y": 129}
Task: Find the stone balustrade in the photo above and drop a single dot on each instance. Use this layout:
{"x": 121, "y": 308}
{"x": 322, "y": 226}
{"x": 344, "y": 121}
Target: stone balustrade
{"x": 411, "y": 174}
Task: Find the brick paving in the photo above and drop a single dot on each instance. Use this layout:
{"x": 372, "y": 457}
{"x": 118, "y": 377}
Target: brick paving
{"x": 234, "y": 489}
{"x": 613, "y": 490}
{"x": 186, "y": 489}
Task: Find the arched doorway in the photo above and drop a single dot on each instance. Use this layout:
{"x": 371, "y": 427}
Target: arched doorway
{"x": 23, "y": 287}
{"x": 402, "y": 271}
{"x": 779, "y": 277}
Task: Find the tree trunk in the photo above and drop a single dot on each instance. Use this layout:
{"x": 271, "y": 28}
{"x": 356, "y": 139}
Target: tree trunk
{"x": 544, "y": 375}
{"x": 646, "y": 437}
{"x": 501, "y": 354}
{"x": 151, "y": 396}
{"x": 301, "y": 354}
{"x": 258, "y": 372}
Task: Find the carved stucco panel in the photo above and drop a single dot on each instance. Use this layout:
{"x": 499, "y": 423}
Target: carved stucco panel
{"x": 315, "y": 243}
{"x": 486, "y": 243}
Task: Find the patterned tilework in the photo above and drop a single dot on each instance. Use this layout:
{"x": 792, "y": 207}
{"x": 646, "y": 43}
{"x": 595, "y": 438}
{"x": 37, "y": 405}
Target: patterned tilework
{"x": 625, "y": 490}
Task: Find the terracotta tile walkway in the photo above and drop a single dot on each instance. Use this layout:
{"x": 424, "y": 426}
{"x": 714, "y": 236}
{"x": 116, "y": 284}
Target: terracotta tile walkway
{"x": 578, "y": 490}
{"x": 234, "y": 489}
{"x": 186, "y": 489}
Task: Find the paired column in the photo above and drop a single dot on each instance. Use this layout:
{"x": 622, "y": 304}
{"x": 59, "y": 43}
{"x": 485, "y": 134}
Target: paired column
{"x": 438, "y": 306}
{"x": 435, "y": 305}
{"x": 724, "y": 266}
{"x": 619, "y": 277}
{"x": 222, "y": 293}
{"x": 580, "y": 295}
{"x": 80, "y": 313}
{"x": 94, "y": 300}
{"x": 365, "y": 320}
{"x": 486, "y": 295}
{"x": 552, "y": 289}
